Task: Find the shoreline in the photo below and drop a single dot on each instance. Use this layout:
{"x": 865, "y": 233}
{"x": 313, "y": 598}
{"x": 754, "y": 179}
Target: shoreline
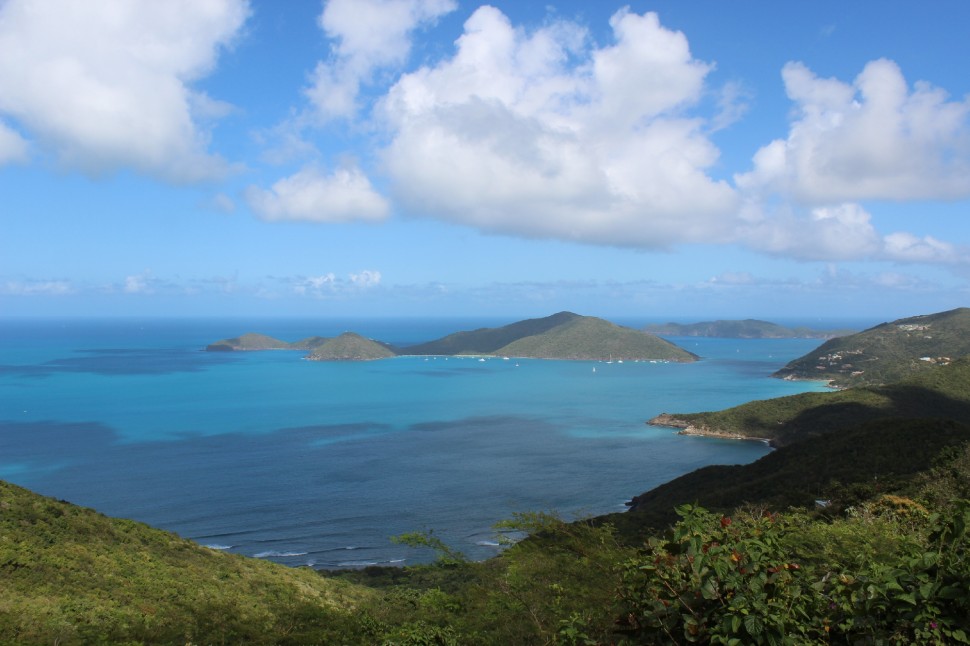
{"x": 684, "y": 427}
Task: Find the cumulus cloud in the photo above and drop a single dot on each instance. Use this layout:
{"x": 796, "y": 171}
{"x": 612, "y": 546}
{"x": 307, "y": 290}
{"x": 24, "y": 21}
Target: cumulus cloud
{"x": 544, "y": 135}
{"x": 107, "y": 85}
{"x": 369, "y": 35}
{"x": 875, "y": 138}
{"x": 313, "y": 196}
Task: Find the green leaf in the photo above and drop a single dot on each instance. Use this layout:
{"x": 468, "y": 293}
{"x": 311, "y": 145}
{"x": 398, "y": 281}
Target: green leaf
{"x": 909, "y": 598}
{"x": 752, "y": 624}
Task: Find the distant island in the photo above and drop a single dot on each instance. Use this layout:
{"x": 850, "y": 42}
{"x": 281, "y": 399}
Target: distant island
{"x": 742, "y": 329}
{"x": 561, "y": 336}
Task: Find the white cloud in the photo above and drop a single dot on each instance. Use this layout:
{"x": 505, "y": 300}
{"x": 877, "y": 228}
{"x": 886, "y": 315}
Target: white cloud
{"x": 366, "y": 278}
{"x": 315, "y": 284}
{"x": 512, "y": 136}
{"x": 845, "y": 232}
{"x": 310, "y": 195}
{"x": 905, "y": 247}
{"x": 873, "y": 139}
{"x": 36, "y": 288}
{"x": 139, "y": 283}
{"x": 369, "y": 35}
{"x": 107, "y": 85}
{"x": 13, "y": 147}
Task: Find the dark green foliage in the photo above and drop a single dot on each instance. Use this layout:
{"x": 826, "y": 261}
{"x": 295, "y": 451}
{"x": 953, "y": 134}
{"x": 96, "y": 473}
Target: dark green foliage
{"x": 940, "y": 392}
{"x": 845, "y": 467}
{"x": 889, "y": 574}
{"x": 887, "y": 352}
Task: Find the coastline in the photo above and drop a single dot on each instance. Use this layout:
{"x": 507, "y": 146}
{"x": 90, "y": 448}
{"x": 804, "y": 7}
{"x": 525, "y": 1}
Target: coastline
{"x": 684, "y": 427}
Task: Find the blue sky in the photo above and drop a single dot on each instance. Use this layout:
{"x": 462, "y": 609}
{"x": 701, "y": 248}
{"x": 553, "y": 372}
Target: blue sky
{"x": 660, "y": 160}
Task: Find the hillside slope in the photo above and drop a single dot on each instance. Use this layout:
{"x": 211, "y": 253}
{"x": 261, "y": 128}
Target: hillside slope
{"x": 489, "y": 340}
{"x": 592, "y": 338}
{"x": 73, "y": 576}
{"x": 350, "y": 347}
{"x": 939, "y": 392}
{"x": 887, "y": 352}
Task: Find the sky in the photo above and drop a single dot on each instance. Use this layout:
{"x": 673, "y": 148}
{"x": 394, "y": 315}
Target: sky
{"x": 661, "y": 160}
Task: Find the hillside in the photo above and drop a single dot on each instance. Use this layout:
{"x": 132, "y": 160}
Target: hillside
{"x": 844, "y": 467}
{"x": 561, "y": 336}
{"x": 742, "y": 329}
{"x": 887, "y": 352}
{"x": 73, "y": 576}
{"x": 938, "y": 392}
{"x": 592, "y": 338}
{"x": 489, "y": 340}
{"x": 350, "y": 347}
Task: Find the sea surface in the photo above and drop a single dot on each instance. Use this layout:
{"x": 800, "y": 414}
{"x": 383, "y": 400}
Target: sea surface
{"x": 311, "y": 463}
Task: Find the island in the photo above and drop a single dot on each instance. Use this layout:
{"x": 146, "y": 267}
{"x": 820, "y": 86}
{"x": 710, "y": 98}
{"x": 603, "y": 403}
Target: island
{"x": 560, "y": 336}
{"x": 742, "y": 329}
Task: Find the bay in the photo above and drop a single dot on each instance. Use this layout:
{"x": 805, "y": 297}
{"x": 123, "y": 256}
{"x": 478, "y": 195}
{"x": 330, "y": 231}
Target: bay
{"x": 311, "y": 463}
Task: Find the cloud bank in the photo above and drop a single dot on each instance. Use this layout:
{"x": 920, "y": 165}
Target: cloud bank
{"x": 107, "y": 85}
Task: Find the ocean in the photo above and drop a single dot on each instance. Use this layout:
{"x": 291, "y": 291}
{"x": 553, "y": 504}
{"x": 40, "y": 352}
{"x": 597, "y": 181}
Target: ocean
{"x": 320, "y": 464}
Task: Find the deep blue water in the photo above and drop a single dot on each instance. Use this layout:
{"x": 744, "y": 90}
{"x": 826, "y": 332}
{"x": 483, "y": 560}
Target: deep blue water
{"x": 267, "y": 455}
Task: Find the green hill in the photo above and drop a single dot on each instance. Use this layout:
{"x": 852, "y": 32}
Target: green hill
{"x": 938, "y": 392}
{"x": 250, "y": 341}
{"x": 887, "y": 352}
{"x": 489, "y": 340}
{"x": 561, "y": 336}
{"x": 742, "y": 329}
{"x": 843, "y": 467}
{"x": 70, "y": 575}
{"x": 586, "y": 337}
{"x": 350, "y": 347}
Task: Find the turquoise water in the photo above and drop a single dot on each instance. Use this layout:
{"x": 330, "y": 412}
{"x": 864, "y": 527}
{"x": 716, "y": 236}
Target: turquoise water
{"x": 311, "y": 463}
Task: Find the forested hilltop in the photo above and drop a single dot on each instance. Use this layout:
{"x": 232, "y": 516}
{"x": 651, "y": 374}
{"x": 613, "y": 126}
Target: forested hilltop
{"x": 561, "y": 336}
